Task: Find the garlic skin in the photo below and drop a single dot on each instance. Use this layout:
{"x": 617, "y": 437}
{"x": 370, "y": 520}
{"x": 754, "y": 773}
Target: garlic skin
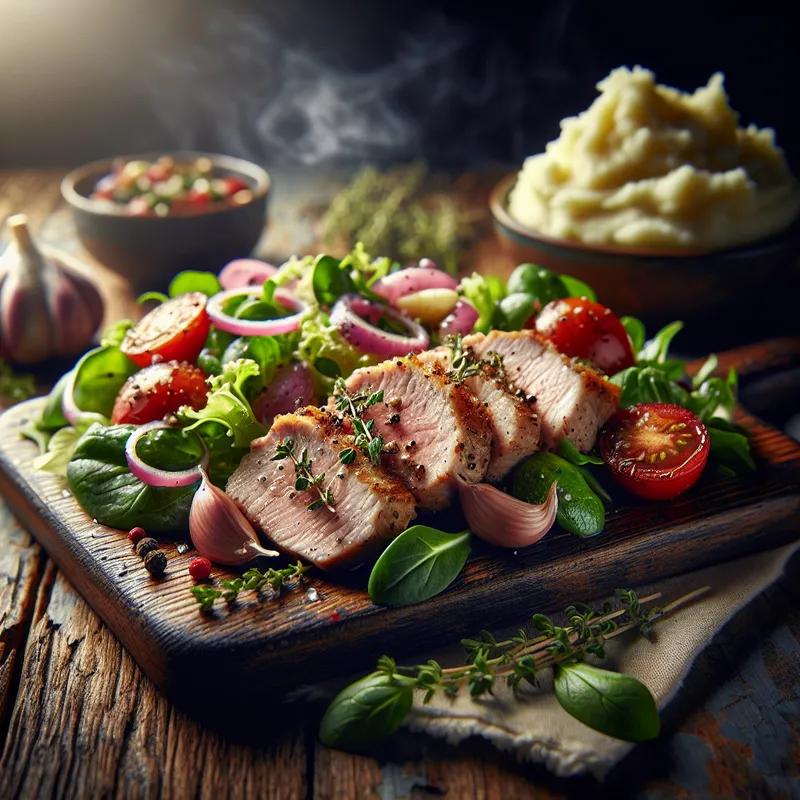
{"x": 47, "y": 309}
{"x": 219, "y": 530}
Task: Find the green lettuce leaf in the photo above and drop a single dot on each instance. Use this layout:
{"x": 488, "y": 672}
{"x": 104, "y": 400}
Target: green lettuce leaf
{"x": 227, "y": 405}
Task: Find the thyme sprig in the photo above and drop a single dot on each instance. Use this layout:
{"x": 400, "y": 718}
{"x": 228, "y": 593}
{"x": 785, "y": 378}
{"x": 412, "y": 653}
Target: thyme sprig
{"x": 520, "y": 658}
{"x": 619, "y": 705}
{"x": 254, "y": 579}
{"x": 353, "y": 407}
{"x": 305, "y": 479}
{"x": 465, "y": 364}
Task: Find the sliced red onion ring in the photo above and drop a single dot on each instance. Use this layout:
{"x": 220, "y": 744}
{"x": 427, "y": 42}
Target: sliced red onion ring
{"x": 412, "y": 279}
{"x": 153, "y": 476}
{"x": 255, "y": 327}
{"x": 461, "y": 319}
{"x": 356, "y": 318}
{"x": 503, "y": 520}
{"x": 245, "y": 272}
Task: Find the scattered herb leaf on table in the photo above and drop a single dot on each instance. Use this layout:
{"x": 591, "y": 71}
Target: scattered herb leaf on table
{"x": 417, "y": 565}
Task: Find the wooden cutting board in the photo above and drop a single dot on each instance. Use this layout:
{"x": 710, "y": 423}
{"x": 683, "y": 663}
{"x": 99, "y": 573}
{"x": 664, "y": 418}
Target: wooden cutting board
{"x": 268, "y": 647}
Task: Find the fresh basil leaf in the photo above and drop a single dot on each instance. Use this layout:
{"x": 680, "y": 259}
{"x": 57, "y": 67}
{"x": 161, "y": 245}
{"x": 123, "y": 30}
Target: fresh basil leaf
{"x": 538, "y": 282}
{"x": 657, "y": 348}
{"x": 259, "y": 309}
{"x": 193, "y": 281}
{"x": 648, "y": 385}
{"x": 170, "y": 449}
{"x": 99, "y": 376}
{"x": 730, "y": 449}
{"x": 568, "y": 451}
{"x": 366, "y": 711}
{"x": 269, "y": 352}
{"x": 636, "y": 332}
{"x": 514, "y": 310}
{"x": 615, "y": 704}
{"x": 419, "y": 564}
{"x": 330, "y": 280}
{"x": 580, "y": 510}
{"x": 575, "y": 287}
{"x": 99, "y": 477}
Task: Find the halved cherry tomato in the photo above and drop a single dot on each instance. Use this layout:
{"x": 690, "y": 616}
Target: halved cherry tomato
{"x": 655, "y": 450}
{"x": 583, "y": 329}
{"x": 174, "y": 331}
{"x": 158, "y": 390}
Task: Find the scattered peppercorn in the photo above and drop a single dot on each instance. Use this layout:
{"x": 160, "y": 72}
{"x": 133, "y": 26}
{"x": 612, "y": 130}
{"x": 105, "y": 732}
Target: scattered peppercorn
{"x": 136, "y": 534}
{"x": 145, "y": 546}
{"x": 155, "y": 562}
{"x": 200, "y": 568}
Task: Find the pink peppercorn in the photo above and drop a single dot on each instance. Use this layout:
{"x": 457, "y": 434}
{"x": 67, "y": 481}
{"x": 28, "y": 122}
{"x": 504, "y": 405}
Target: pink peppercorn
{"x": 136, "y": 534}
{"x": 200, "y": 568}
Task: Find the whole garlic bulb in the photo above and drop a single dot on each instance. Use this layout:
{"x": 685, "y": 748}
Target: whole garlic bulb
{"x": 46, "y": 308}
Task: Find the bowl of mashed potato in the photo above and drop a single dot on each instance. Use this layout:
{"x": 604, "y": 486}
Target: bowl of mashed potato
{"x": 659, "y": 198}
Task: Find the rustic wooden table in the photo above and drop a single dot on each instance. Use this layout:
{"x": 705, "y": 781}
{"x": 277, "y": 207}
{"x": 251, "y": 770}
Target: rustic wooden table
{"x": 79, "y": 719}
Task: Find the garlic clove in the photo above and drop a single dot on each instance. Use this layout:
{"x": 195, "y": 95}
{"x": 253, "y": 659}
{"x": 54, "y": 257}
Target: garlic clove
{"x": 219, "y": 529}
{"x": 503, "y": 520}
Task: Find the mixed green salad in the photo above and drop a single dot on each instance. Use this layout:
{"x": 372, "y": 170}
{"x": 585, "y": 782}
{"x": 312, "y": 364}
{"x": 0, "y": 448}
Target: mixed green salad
{"x": 148, "y": 426}
{"x": 218, "y": 356}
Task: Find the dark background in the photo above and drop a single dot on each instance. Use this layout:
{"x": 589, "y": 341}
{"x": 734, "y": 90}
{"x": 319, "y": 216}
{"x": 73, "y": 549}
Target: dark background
{"x": 324, "y": 83}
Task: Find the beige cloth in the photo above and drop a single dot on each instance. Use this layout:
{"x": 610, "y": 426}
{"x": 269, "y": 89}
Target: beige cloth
{"x": 538, "y": 729}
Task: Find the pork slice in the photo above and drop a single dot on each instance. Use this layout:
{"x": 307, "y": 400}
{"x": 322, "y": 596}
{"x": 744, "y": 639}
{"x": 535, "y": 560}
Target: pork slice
{"x": 370, "y": 506}
{"x": 573, "y": 401}
{"x": 512, "y": 414}
{"x": 439, "y": 430}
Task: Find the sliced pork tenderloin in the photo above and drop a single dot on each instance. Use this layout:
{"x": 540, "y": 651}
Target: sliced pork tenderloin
{"x": 370, "y": 506}
{"x": 573, "y": 401}
{"x": 513, "y": 417}
{"x": 438, "y": 431}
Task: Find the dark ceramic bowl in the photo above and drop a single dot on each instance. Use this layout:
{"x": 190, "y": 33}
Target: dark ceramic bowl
{"x": 150, "y": 250}
{"x": 723, "y": 296}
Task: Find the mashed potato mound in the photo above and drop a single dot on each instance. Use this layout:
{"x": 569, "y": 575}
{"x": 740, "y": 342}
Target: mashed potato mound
{"x": 649, "y": 166}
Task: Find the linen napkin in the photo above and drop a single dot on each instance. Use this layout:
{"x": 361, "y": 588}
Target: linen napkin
{"x": 536, "y": 728}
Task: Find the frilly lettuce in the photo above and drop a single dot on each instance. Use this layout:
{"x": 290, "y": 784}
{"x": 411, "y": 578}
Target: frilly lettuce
{"x": 323, "y": 348}
{"x": 484, "y": 292}
{"x": 227, "y": 404}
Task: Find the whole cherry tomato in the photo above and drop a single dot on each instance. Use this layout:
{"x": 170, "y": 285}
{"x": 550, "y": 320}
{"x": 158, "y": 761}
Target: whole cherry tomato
{"x": 581, "y": 328}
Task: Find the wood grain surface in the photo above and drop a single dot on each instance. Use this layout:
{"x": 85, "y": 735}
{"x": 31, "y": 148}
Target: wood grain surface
{"x": 276, "y": 644}
{"x": 734, "y": 730}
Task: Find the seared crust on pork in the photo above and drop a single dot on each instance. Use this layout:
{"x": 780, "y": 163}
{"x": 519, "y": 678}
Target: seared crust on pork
{"x": 512, "y": 414}
{"x": 438, "y": 431}
{"x": 370, "y": 506}
{"x": 573, "y": 400}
